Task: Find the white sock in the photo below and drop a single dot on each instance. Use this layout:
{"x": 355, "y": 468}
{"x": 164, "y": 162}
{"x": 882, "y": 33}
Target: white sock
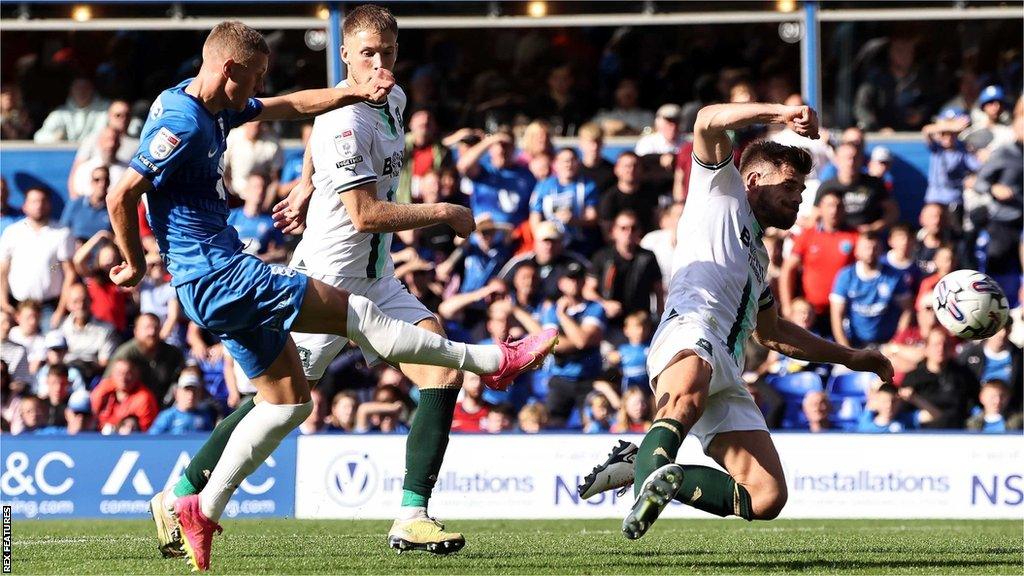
{"x": 252, "y": 442}
{"x": 168, "y": 498}
{"x": 411, "y": 512}
{"x": 397, "y": 341}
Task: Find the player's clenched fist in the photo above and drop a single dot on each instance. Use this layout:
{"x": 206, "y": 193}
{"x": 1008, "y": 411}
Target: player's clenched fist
{"x": 803, "y": 120}
{"x": 126, "y": 275}
{"x": 379, "y": 86}
{"x": 460, "y": 219}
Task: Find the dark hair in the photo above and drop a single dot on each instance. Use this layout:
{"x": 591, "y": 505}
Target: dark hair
{"x": 59, "y": 369}
{"x": 568, "y": 149}
{"x": 768, "y": 152}
{"x": 829, "y": 192}
{"x": 902, "y": 227}
{"x": 371, "y": 18}
{"x": 627, "y": 153}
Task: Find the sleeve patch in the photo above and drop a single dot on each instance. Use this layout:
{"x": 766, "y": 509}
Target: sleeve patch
{"x": 345, "y": 143}
{"x": 163, "y": 143}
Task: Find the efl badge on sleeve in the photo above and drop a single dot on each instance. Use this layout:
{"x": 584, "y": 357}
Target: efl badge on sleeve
{"x": 163, "y": 144}
{"x": 345, "y": 143}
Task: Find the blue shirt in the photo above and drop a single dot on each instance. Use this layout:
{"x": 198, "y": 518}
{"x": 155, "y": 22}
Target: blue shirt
{"x": 182, "y": 154}
{"x": 504, "y": 193}
{"x": 84, "y": 219}
{"x": 292, "y": 169}
{"x": 872, "y": 304}
{"x": 903, "y": 422}
{"x": 998, "y": 367}
{"x": 912, "y": 273}
{"x": 175, "y": 421}
{"x": 583, "y": 364}
{"x": 996, "y": 426}
{"x": 946, "y": 172}
{"x": 550, "y": 197}
{"x": 480, "y": 266}
{"x": 634, "y": 364}
{"x": 256, "y": 232}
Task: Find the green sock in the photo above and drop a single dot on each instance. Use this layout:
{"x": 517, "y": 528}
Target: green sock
{"x": 714, "y": 491}
{"x": 197, "y": 473}
{"x": 426, "y": 444}
{"x": 659, "y": 448}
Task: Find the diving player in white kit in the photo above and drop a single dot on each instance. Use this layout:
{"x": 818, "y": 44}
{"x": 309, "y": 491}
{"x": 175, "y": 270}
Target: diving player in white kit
{"x": 719, "y": 295}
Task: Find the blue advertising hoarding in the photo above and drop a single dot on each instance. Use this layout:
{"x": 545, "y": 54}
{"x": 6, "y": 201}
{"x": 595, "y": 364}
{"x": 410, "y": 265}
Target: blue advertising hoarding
{"x": 97, "y": 476}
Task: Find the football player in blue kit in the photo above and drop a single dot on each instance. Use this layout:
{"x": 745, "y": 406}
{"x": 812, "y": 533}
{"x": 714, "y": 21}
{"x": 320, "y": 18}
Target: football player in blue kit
{"x": 250, "y": 305}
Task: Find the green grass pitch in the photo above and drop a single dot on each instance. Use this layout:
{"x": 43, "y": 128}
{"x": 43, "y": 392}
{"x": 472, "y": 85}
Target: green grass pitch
{"x": 541, "y": 547}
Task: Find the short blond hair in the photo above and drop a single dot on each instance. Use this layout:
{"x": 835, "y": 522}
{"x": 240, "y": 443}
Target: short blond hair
{"x": 370, "y": 18}
{"x": 591, "y": 130}
{"x": 234, "y": 40}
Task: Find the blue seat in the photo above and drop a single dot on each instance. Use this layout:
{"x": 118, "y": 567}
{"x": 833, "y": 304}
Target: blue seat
{"x": 793, "y": 388}
{"x": 848, "y": 393}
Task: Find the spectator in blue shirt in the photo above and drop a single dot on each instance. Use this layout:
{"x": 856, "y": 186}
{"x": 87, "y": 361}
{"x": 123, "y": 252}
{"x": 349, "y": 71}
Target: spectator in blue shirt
{"x": 87, "y": 215}
{"x": 255, "y": 227}
{"x": 576, "y": 361}
{"x": 992, "y": 417}
{"x": 869, "y": 300}
{"x": 883, "y": 413}
{"x": 950, "y": 162}
{"x": 484, "y": 254}
{"x": 632, "y": 355}
{"x": 500, "y": 187}
{"x": 185, "y": 415}
{"x": 570, "y": 201}
{"x": 598, "y": 415}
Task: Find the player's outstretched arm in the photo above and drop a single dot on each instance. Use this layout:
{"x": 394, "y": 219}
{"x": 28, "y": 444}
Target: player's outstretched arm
{"x": 370, "y": 214}
{"x": 123, "y": 207}
{"x": 307, "y": 103}
{"x": 711, "y": 144}
{"x": 785, "y": 337}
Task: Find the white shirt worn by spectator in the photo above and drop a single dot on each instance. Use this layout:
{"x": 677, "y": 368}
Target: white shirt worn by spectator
{"x": 87, "y": 149}
{"x": 94, "y": 342}
{"x": 35, "y": 257}
{"x": 34, "y": 345}
{"x": 245, "y": 157}
{"x": 69, "y": 123}
{"x": 81, "y": 181}
{"x": 16, "y": 358}
{"x": 657, "y": 144}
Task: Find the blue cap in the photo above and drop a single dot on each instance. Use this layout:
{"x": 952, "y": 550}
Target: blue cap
{"x": 951, "y": 113}
{"x": 991, "y": 94}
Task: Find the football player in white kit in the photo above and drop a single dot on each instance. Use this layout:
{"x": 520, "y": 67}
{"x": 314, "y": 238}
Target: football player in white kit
{"x": 356, "y": 161}
{"x": 719, "y": 295}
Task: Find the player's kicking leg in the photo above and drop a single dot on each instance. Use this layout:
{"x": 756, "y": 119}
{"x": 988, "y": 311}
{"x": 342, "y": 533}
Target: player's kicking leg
{"x": 326, "y": 309}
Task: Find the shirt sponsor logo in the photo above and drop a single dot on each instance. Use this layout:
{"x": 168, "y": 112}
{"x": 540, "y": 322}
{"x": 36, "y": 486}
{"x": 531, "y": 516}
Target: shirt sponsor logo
{"x": 163, "y": 144}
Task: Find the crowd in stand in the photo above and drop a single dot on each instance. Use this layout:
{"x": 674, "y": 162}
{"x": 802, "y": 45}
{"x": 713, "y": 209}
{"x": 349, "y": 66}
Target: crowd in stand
{"x": 566, "y": 239}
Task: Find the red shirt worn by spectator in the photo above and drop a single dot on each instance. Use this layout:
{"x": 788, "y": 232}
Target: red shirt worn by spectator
{"x": 822, "y": 254}
{"x": 109, "y": 303}
{"x": 122, "y": 395}
{"x": 463, "y": 421}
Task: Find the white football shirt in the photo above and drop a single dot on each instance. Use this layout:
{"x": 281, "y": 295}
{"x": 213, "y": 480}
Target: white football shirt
{"x": 720, "y": 263}
{"x": 358, "y": 145}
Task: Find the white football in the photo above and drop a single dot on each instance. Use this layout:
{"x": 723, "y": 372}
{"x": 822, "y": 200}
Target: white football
{"x": 970, "y": 304}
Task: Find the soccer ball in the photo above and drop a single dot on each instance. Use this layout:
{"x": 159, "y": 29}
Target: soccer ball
{"x": 970, "y": 304}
